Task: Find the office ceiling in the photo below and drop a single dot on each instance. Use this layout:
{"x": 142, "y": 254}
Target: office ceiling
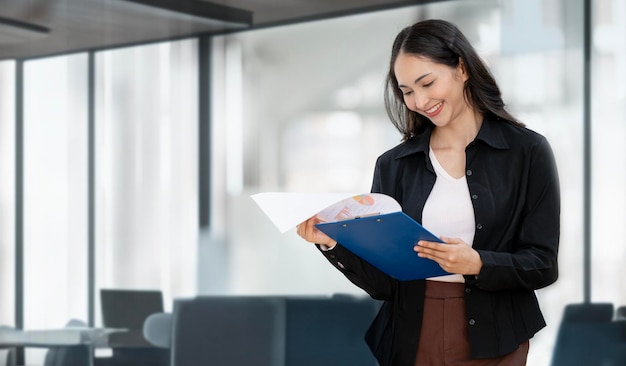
{"x": 38, "y": 28}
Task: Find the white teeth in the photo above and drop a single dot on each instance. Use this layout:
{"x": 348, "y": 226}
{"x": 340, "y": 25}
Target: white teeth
{"x": 433, "y": 109}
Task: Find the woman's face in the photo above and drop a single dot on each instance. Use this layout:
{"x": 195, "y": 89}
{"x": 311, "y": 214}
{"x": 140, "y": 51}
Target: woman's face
{"x": 432, "y": 89}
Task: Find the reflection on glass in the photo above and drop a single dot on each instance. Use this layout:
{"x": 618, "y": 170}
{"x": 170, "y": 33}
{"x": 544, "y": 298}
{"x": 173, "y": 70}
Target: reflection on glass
{"x": 608, "y": 113}
{"x": 7, "y": 193}
{"x": 55, "y": 193}
{"x": 146, "y": 168}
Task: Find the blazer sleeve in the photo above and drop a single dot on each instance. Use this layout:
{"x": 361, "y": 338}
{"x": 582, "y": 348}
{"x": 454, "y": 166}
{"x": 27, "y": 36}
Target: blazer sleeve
{"x": 376, "y": 283}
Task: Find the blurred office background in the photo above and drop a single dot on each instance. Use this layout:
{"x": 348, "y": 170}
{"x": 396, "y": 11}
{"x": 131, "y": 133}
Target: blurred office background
{"x": 294, "y": 107}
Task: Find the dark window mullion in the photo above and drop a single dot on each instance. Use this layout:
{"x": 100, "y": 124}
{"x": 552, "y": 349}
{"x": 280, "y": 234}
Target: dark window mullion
{"x": 19, "y": 202}
{"x": 91, "y": 181}
{"x": 587, "y": 15}
{"x": 204, "y": 131}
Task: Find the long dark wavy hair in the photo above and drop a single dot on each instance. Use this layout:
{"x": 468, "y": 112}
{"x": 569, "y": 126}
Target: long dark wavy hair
{"x": 441, "y": 42}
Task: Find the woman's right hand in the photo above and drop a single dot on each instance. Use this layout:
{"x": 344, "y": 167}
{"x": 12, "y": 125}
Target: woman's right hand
{"x": 310, "y": 233}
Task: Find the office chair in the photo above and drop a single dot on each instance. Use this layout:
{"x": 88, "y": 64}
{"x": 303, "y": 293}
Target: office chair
{"x": 341, "y": 320}
{"x": 223, "y": 330}
{"x": 125, "y": 308}
{"x": 589, "y": 336}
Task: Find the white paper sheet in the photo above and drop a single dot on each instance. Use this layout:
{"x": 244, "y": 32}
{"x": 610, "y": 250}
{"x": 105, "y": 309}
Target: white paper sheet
{"x": 286, "y": 210}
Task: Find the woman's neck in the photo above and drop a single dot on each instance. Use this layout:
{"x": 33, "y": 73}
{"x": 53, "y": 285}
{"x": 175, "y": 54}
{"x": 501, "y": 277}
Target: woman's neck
{"x": 458, "y": 134}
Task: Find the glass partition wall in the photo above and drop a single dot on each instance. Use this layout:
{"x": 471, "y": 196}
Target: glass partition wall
{"x": 146, "y": 190}
{"x": 7, "y": 193}
{"x": 55, "y": 192}
{"x": 145, "y": 184}
{"x": 608, "y": 91}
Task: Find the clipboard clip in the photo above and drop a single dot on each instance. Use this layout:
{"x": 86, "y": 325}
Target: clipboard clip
{"x": 361, "y": 217}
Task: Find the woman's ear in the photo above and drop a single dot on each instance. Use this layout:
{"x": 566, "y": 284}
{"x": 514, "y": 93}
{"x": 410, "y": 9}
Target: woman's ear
{"x": 461, "y": 70}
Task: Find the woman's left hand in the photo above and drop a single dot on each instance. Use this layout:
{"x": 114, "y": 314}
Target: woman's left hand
{"x": 455, "y": 256}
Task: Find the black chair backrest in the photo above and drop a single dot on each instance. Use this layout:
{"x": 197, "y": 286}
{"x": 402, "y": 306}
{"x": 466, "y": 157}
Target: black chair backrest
{"x": 588, "y": 336}
{"x": 223, "y": 330}
{"x": 588, "y": 313}
{"x": 341, "y": 321}
{"x": 129, "y": 308}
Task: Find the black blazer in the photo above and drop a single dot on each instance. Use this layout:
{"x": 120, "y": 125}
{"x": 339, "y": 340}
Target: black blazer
{"x": 513, "y": 183}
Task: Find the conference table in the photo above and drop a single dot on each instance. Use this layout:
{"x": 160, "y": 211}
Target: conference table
{"x": 68, "y": 336}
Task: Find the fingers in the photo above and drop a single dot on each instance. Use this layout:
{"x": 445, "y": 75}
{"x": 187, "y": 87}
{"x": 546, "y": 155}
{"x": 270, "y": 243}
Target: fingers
{"x": 444, "y": 254}
{"x": 429, "y": 247}
{"x": 308, "y": 229}
{"x": 312, "y": 234}
{"x": 437, "y": 247}
{"x": 455, "y": 256}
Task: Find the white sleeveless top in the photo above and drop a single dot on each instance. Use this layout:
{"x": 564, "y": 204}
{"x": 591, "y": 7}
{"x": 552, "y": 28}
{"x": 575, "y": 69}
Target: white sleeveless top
{"x": 448, "y": 211}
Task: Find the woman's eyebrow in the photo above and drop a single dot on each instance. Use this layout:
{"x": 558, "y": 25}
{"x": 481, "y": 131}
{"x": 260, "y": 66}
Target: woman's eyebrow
{"x": 416, "y": 80}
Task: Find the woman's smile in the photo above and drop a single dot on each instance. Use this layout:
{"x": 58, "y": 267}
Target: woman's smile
{"x": 434, "y": 110}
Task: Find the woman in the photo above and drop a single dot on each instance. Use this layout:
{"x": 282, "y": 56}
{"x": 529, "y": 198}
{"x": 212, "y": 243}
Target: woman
{"x": 472, "y": 174}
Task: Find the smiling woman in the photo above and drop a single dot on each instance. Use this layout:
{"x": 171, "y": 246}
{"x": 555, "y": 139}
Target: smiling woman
{"x": 499, "y": 215}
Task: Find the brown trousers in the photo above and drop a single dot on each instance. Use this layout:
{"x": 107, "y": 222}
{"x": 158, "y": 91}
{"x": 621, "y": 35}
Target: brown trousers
{"x": 444, "y": 340}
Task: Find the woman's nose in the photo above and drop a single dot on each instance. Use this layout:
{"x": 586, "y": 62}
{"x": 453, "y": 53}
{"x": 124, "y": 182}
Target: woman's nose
{"x": 421, "y": 100}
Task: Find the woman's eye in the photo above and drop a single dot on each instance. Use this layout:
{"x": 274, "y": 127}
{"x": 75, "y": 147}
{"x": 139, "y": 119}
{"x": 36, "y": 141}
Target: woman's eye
{"x": 428, "y": 84}
{"x": 406, "y": 93}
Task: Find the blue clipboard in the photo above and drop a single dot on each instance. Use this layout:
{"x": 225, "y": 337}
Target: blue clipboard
{"x": 386, "y": 242}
